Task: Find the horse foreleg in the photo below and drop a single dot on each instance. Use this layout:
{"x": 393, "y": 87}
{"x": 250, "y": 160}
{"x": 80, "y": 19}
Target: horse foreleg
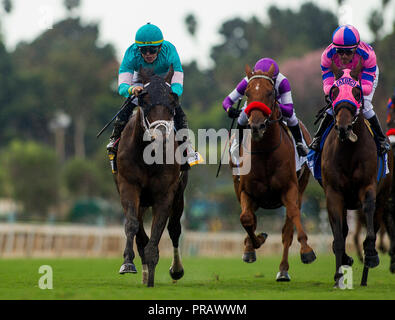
{"x": 382, "y": 245}
{"x": 174, "y": 228}
{"x": 389, "y": 222}
{"x": 160, "y": 213}
{"x": 141, "y": 241}
{"x": 368, "y": 206}
{"x": 131, "y": 228}
{"x": 287, "y": 236}
{"x": 291, "y": 203}
{"x": 336, "y": 211}
{"x": 358, "y": 229}
{"x": 346, "y": 260}
{"x": 248, "y": 220}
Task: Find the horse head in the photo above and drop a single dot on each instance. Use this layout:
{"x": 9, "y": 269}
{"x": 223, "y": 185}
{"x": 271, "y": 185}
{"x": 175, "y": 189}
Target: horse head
{"x": 346, "y": 97}
{"x": 261, "y": 101}
{"x": 157, "y": 103}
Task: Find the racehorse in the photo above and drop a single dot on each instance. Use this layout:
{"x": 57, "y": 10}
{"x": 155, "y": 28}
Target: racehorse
{"x": 350, "y": 169}
{"x": 142, "y": 185}
{"x": 272, "y": 181}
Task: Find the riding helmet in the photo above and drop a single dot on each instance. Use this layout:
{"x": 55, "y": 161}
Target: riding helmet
{"x": 149, "y": 35}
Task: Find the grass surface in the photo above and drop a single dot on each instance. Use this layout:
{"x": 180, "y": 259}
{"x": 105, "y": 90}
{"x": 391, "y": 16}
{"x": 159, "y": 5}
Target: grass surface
{"x": 205, "y": 278}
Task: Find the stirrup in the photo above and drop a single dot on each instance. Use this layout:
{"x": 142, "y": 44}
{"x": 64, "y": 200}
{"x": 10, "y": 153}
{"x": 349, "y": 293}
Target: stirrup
{"x": 112, "y": 146}
{"x": 315, "y": 144}
{"x": 301, "y": 149}
{"x": 384, "y": 147}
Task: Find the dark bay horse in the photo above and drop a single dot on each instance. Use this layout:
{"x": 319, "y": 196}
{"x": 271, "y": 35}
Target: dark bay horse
{"x": 142, "y": 185}
{"x": 272, "y": 181}
{"x": 349, "y": 171}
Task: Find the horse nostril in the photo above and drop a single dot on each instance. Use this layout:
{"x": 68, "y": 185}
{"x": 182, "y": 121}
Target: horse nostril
{"x": 349, "y": 127}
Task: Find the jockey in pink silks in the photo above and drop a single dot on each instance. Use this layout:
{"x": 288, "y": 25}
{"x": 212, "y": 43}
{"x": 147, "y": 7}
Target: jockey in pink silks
{"x": 283, "y": 96}
{"x": 346, "y": 50}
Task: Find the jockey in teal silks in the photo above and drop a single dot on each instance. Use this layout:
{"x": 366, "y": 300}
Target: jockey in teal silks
{"x": 150, "y": 50}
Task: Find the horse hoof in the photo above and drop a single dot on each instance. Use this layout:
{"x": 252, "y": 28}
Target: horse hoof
{"x": 128, "y": 268}
{"x": 263, "y": 235}
{"x": 348, "y": 261}
{"x": 249, "y": 257}
{"x": 372, "y": 261}
{"x": 308, "y": 257}
{"x": 177, "y": 274}
{"x": 283, "y": 276}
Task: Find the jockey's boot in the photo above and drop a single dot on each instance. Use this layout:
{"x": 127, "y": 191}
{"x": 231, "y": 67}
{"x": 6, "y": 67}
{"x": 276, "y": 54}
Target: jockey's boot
{"x": 297, "y": 134}
{"x": 119, "y": 124}
{"x": 238, "y": 140}
{"x": 112, "y": 146}
{"x": 315, "y": 144}
{"x": 180, "y": 122}
{"x": 384, "y": 145}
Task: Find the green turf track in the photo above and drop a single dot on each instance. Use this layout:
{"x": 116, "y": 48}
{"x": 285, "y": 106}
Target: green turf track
{"x": 205, "y": 278}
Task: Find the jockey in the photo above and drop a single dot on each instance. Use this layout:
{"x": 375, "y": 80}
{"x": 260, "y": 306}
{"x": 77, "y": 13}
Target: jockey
{"x": 150, "y": 50}
{"x": 346, "y": 50}
{"x": 283, "y": 96}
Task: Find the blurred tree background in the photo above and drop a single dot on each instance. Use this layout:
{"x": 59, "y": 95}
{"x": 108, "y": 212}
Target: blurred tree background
{"x": 58, "y": 90}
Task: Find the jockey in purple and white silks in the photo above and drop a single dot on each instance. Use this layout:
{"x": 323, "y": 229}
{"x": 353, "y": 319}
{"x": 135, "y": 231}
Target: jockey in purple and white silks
{"x": 283, "y": 96}
{"x": 345, "y": 51}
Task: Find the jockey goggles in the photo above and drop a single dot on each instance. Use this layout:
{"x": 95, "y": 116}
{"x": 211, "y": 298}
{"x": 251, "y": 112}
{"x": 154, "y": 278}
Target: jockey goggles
{"x": 347, "y": 52}
{"x": 149, "y": 49}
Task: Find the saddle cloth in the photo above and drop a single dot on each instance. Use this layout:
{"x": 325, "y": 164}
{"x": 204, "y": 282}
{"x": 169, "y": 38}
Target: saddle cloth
{"x": 299, "y": 161}
{"x": 314, "y": 157}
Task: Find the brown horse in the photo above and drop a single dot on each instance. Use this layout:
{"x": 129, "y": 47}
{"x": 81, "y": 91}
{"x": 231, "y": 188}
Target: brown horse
{"x": 142, "y": 185}
{"x": 272, "y": 181}
{"x": 349, "y": 173}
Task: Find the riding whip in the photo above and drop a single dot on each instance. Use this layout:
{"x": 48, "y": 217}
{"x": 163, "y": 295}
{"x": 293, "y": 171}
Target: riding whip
{"x": 231, "y": 127}
{"x": 127, "y": 101}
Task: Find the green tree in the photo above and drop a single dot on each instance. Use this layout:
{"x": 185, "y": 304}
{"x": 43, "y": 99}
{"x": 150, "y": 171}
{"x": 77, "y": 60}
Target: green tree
{"x": 33, "y": 176}
{"x": 78, "y": 76}
{"x": 70, "y": 5}
{"x": 191, "y": 24}
{"x": 7, "y": 5}
{"x": 81, "y": 178}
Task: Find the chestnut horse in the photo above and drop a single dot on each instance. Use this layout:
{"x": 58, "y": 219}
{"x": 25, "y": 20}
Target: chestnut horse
{"x": 142, "y": 185}
{"x": 349, "y": 171}
{"x": 272, "y": 181}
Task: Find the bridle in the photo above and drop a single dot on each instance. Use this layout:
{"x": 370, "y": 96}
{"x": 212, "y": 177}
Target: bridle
{"x": 352, "y": 108}
{"x": 269, "y": 121}
{"x": 150, "y": 128}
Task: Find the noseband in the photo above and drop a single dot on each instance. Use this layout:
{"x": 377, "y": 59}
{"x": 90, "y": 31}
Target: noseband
{"x": 268, "y": 121}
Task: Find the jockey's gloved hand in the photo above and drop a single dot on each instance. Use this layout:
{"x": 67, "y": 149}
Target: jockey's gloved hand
{"x": 327, "y": 100}
{"x": 233, "y": 113}
{"x": 135, "y": 90}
